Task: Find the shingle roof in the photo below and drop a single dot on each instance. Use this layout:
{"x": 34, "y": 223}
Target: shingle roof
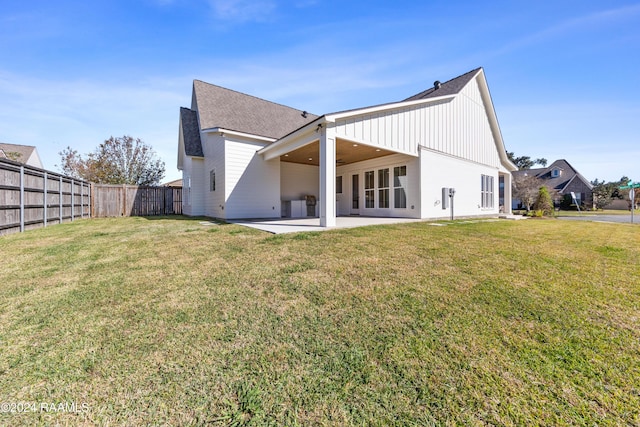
{"x": 23, "y": 151}
{"x": 224, "y": 108}
{"x": 450, "y": 87}
{"x": 190, "y": 133}
{"x": 557, "y": 183}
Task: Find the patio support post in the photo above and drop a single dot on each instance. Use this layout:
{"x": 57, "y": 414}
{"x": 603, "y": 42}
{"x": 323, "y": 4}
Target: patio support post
{"x": 327, "y": 178}
{"x": 507, "y": 193}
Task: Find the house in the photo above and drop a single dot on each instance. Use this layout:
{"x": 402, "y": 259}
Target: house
{"x": 245, "y": 157}
{"x": 561, "y": 179}
{"x": 25, "y": 154}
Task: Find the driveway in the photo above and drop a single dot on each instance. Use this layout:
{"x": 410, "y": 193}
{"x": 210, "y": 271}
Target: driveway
{"x": 604, "y": 218}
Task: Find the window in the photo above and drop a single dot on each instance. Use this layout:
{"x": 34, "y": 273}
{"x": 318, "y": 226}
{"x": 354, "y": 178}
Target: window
{"x": 400, "y": 187}
{"x": 383, "y": 188}
{"x": 486, "y": 192}
{"x": 369, "y": 190}
{"x": 338, "y": 184}
{"x": 212, "y": 180}
{"x": 555, "y": 173}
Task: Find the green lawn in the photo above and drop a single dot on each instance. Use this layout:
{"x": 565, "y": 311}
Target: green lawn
{"x": 169, "y": 322}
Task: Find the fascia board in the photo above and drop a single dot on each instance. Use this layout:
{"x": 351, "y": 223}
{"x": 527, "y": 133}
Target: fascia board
{"x": 298, "y": 133}
{"x": 240, "y": 134}
{"x": 375, "y": 109}
{"x": 493, "y": 121}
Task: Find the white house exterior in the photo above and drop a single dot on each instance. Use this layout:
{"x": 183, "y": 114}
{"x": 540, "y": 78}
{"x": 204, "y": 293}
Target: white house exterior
{"x": 243, "y": 157}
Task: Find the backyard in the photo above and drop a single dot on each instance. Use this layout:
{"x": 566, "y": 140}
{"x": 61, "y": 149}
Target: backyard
{"x": 175, "y": 321}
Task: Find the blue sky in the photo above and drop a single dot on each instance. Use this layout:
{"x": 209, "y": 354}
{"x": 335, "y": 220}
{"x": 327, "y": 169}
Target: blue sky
{"x": 564, "y": 75}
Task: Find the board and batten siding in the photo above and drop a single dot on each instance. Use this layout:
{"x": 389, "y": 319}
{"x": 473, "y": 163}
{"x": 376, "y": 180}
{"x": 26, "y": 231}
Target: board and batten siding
{"x": 252, "y": 184}
{"x": 458, "y": 127}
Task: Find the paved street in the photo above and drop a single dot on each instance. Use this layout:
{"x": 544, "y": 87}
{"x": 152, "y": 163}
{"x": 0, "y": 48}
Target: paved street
{"x": 604, "y": 218}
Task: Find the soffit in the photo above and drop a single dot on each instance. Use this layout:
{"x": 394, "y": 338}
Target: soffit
{"x": 346, "y": 152}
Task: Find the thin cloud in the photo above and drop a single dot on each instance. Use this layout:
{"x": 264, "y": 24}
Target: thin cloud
{"x": 605, "y": 17}
{"x": 241, "y": 11}
{"x": 53, "y": 114}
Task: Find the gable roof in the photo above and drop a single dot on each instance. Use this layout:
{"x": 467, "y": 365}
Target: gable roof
{"x": 227, "y": 109}
{"x": 450, "y": 87}
{"x": 447, "y": 91}
{"x": 26, "y": 154}
{"x": 560, "y": 182}
{"x": 23, "y": 151}
{"x": 190, "y": 132}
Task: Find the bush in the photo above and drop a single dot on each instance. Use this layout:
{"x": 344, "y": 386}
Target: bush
{"x": 544, "y": 202}
{"x": 566, "y": 203}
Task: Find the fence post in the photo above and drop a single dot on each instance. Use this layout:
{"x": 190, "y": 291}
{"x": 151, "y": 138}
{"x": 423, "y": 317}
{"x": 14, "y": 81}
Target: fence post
{"x": 72, "y": 201}
{"x": 44, "y": 201}
{"x": 92, "y": 202}
{"x": 60, "y": 198}
{"x": 21, "y": 198}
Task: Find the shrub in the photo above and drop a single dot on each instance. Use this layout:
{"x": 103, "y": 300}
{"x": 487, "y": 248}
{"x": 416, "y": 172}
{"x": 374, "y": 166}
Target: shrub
{"x": 544, "y": 202}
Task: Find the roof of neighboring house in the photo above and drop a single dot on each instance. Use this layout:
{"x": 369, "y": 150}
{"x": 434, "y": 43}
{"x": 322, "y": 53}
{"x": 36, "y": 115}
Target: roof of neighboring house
{"x": 450, "y": 87}
{"x": 190, "y": 132}
{"x": 23, "y": 152}
{"x": 568, "y": 174}
{"x": 174, "y": 183}
{"x": 227, "y": 109}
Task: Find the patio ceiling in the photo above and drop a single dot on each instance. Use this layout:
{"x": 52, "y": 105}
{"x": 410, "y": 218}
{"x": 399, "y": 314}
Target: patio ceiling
{"x": 346, "y": 152}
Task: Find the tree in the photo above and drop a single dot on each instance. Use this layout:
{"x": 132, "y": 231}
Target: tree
{"x": 603, "y": 193}
{"x": 525, "y": 162}
{"x": 116, "y": 161}
{"x": 526, "y": 188}
{"x": 13, "y": 155}
{"x": 544, "y": 202}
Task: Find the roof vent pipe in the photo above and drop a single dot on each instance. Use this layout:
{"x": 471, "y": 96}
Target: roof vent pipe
{"x": 437, "y": 84}
{"x": 304, "y": 114}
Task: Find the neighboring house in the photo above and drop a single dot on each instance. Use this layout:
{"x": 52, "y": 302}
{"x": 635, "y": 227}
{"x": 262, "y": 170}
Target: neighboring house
{"x": 25, "y": 154}
{"x": 245, "y": 157}
{"x": 561, "y": 179}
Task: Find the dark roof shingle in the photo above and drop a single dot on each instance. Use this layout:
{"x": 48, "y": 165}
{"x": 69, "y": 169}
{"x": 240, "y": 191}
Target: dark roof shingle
{"x": 559, "y": 182}
{"x": 224, "y": 108}
{"x": 190, "y": 133}
{"x": 450, "y": 87}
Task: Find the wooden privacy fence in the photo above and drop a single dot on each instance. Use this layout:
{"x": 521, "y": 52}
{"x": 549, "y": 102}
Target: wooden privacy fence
{"x": 31, "y": 197}
{"x": 131, "y": 200}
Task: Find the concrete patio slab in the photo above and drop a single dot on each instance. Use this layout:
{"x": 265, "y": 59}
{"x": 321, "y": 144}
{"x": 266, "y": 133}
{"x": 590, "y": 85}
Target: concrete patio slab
{"x": 295, "y": 225}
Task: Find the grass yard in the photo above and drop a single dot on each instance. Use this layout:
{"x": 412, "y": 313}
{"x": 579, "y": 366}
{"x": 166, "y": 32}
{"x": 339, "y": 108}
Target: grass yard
{"x": 165, "y": 321}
